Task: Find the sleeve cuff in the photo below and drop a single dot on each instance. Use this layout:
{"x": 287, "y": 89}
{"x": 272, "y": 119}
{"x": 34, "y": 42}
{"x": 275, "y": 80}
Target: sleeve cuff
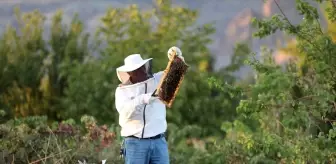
{"x": 147, "y": 98}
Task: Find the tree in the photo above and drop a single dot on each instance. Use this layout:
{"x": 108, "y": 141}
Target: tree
{"x": 32, "y": 82}
{"x": 292, "y": 49}
{"x": 285, "y": 104}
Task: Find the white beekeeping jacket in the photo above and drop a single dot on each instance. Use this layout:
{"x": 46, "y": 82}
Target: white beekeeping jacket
{"x": 140, "y": 114}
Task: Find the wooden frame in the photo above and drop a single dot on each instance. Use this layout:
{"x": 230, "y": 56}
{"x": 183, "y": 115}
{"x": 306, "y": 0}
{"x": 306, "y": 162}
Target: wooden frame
{"x": 170, "y": 103}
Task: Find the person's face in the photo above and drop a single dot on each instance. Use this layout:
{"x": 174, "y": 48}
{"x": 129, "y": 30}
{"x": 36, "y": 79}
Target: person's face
{"x": 138, "y": 75}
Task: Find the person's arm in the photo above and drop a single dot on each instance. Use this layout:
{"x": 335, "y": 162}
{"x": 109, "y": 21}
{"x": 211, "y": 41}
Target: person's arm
{"x": 158, "y": 75}
{"x": 126, "y": 106}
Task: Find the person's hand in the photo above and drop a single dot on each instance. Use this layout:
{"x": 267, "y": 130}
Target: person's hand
{"x": 155, "y": 94}
{"x": 175, "y": 50}
{"x": 149, "y": 97}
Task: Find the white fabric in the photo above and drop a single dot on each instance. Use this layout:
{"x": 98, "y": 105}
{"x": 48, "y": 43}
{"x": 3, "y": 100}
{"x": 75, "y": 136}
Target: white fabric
{"x": 131, "y": 63}
{"x": 130, "y": 101}
{"x": 173, "y": 50}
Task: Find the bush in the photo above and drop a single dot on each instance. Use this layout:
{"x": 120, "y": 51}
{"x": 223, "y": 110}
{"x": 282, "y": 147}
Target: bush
{"x": 31, "y": 140}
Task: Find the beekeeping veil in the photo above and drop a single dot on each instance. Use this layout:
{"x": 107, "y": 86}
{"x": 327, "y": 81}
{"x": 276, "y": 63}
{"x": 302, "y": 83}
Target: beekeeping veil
{"x": 131, "y": 63}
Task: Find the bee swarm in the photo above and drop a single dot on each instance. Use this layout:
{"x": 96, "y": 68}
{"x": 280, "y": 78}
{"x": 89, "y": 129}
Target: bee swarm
{"x": 171, "y": 81}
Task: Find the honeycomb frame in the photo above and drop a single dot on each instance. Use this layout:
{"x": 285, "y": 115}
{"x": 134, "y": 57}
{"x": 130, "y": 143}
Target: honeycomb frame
{"x": 164, "y": 77}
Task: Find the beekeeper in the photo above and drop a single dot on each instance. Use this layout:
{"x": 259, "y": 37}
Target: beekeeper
{"x": 142, "y": 116}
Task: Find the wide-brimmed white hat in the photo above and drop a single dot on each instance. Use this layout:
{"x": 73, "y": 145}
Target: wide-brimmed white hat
{"x": 131, "y": 63}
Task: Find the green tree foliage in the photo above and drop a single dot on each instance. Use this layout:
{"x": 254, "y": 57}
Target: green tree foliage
{"x": 32, "y": 79}
{"x": 304, "y": 64}
{"x": 285, "y": 116}
{"x": 291, "y": 109}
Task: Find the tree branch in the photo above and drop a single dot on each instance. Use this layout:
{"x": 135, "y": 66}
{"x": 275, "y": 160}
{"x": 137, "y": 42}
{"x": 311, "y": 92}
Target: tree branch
{"x": 291, "y": 25}
{"x": 333, "y": 3}
{"x": 48, "y": 157}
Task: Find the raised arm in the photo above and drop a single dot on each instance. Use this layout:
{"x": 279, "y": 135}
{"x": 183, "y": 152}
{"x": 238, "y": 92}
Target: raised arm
{"x": 127, "y": 106}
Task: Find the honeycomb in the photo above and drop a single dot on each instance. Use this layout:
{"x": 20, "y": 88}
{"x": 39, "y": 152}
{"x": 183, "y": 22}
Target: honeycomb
{"x": 171, "y": 80}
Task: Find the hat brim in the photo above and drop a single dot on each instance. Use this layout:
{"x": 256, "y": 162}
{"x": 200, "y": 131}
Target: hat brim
{"x": 122, "y": 70}
{"x": 130, "y": 68}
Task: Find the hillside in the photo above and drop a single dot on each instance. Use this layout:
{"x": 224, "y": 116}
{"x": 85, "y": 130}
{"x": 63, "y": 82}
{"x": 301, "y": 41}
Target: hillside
{"x": 231, "y": 18}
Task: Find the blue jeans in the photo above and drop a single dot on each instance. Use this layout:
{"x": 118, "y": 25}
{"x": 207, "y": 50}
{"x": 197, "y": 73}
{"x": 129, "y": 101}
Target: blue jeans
{"x": 146, "y": 151}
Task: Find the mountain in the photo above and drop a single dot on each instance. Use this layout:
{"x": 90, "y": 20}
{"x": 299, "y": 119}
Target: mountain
{"x": 232, "y": 18}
